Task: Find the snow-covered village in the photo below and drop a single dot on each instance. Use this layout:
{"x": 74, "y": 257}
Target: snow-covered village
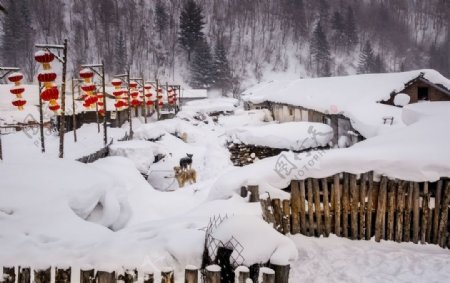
{"x": 222, "y": 141}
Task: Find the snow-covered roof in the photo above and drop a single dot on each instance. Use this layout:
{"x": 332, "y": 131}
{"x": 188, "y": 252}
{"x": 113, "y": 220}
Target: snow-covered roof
{"x": 194, "y": 93}
{"x": 211, "y": 105}
{"x": 355, "y": 96}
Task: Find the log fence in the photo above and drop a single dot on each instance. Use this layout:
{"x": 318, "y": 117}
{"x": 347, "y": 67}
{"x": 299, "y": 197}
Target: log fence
{"x": 359, "y": 207}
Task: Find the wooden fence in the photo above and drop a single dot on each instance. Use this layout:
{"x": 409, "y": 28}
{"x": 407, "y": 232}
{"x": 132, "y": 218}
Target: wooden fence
{"x": 212, "y": 274}
{"x": 358, "y": 207}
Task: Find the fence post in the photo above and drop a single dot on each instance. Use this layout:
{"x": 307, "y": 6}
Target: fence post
{"x": 286, "y": 220}
{"x": 24, "y": 275}
{"x": 277, "y": 212}
{"x": 437, "y": 207}
{"x": 243, "y": 274}
{"x": 337, "y": 205}
{"x": 106, "y": 277}
{"x": 87, "y": 276}
{"x": 444, "y": 215}
{"x": 425, "y": 212}
{"x": 416, "y": 213}
{"x": 281, "y": 273}
{"x": 309, "y": 186}
{"x": 380, "y": 209}
{"x": 254, "y": 193}
{"x": 268, "y": 275}
{"x": 212, "y": 274}
{"x": 295, "y": 208}
{"x": 326, "y": 207}
{"x": 62, "y": 275}
{"x": 400, "y": 209}
{"x": 302, "y": 207}
{"x": 167, "y": 275}
{"x": 42, "y": 276}
{"x": 9, "y": 275}
{"x": 129, "y": 276}
{"x": 191, "y": 274}
{"x": 244, "y": 192}
{"x": 149, "y": 278}
{"x": 318, "y": 211}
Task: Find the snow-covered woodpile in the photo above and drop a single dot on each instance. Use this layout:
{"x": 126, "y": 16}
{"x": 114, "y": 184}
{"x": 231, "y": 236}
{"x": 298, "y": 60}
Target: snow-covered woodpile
{"x": 243, "y": 154}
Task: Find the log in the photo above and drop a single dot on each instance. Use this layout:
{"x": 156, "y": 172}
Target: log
{"x": 281, "y": 272}
{"x": 370, "y": 201}
{"x": 302, "y": 207}
{"x": 391, "y": 209}
{"x": 43, "y": 276}
{"x": 9, "y": 275}
{"x": 443, "y": 215}
{"x": 286, "y": 220}
{"x": 408, "y": 212}
{"x": 278, "y": 214}
{"x": 317, "y": 209}
{"x": 24, "y": 275}
{"x": 87, "y": 276}
{"x": 362, "y": 206}
{"x": 244, "y": 192}
{"x": 425, "y": 213}
{"x": 268, "y": 275}
{"x": 381, "y": 208}
{"x": 267, "y": 211}
{"x": 212, "y": 274}
{"x": 295, "y": 208}
{"x": 129, "y": 276}
{"x": 354, "y": 206}
{"x": 106, "y": 277}
{"x": 243, "y": 273}
{"x": 254, "y": 193}
{"x": 437, "y": 207}
{"x": 310, "y": 208}
{"x": 149, "y": 278}
{"x": 168, "y": 276}
{"x": 63, "y": 275}
{"x": 416, "y": 215}
{"x": 345, "y": 205}
{"x": 326, "y": 207}
{"x": 400, "y": 210}
{"x": 190, "y": 274}
{"x": 337, "y": 205}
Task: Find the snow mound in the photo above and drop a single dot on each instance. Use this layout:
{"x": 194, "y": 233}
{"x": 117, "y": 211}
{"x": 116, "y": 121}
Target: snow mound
{"x": 246, "y": 118}
{"x": 402, "y": 99}
{"x": 211, "y": 105}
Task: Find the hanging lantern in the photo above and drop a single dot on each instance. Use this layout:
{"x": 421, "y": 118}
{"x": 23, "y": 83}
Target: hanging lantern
{"x": 149, "y": 103}
{"x": 17, "y": 90}
{"x": 50, "y": 93}
{"x": 45, "y": 58}
{"x": 135, "y": 103}
{"x": 120, "y": 104}
{"x": 88, "y": 88}
{"x": 86, "y": 74}
{"x": 147, "y": 86}
{"x": 54, "y": 108}
{"x": 133, "y": 84}
{"x": 134, "y": 94}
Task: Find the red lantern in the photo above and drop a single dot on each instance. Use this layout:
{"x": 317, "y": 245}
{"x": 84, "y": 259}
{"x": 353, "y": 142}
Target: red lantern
{"x": 133, "y": 84}
{"x": 147, "y": 86}
{"x": 134, "y": 94}
{"x": 149, "y": 103}
{"x": 91, "y": 100}
{"x": 101, "y": 112}
{"x": 117, "y": 93}
{"x": 46, "y": 76}
{"x": 86, "y": 73}
{"x": 44, "y": 57}
{"x": 19, "y": 103}
{"x": 135, "y": 102}
{"x": 116, "y": 82}
{"x": 50, "y": 94}
{"x": 160, "y": 103}
{"x": 15, "y": 77}
{"x": 119, "y": 104}
{"x": 17, "y": 90}
{"x": 54, "y": 108}
{"x": 88, "y": 87}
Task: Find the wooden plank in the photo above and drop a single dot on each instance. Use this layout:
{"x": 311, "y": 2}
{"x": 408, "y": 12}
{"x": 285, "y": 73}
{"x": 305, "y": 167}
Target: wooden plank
{"x": 391, "y": 209}
{"x": 370, "y": 200}
{"x": 326, "y": 207}
{"x": 354, "y": 206}
{"x": 381, "y": 208}
{"x": 317, "y": 209}
{"x": 416, "y": 215}
{"x": 278, "y": 214}
{"x": 25, "y": 275}
{"x": 362, "y": 206}
{"x": 87, "y": 276}
{"x": 337, "y": 205}
{"x": 281, "y": 272}
{"x": 43, "y": 276}
{"x": 268, "y": 275}
{"x": 286, "y": 220}
{"x": 168, "y": 276}
{"x": 425, "y": 213}
{"x": 345, "y": 205}
{"x": 62, "y": 275}
{"x": 408, "y": 212}
{"x": 191, "y": 274}
{"x": 106, "y": 277}
{"x": 295, "y": 207}
{"x": 437, "y": 206}
{"x": 310, "y": 208}
{"x": 443, "y": 215}
{"x": 400, "y": 212}
{"x": 254, "y": 193}
{"x": 9, "y": 275}
{"x": 242, "y": 272}
{"x": 302, "y": 207}
{"x": 212, "y": 274}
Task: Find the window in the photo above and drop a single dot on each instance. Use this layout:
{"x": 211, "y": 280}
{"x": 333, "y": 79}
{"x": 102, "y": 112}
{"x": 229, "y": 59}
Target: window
{"x": 422, "y": 93}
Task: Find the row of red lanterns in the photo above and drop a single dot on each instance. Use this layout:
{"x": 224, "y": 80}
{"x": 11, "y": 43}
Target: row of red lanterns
{"x": 47, "y": 77}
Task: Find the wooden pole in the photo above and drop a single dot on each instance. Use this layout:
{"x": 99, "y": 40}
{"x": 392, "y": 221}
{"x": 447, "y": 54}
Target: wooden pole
{"x": 106, "y": 277}
{"x": 191, "y": 274}
{"x": 41, "y": 120}
{"x": 425, "y": 214}
{"x": 437, "y": 208}
{"x": 149, "y": 278}
{"x": 443, "y": 219}
{"x": 346, "y": 205}
{"x": 400, "y": 209}
{"x": 391, "y": 209}
{"x": 74, "y": 116}
{"x": 243, "y": 274}
{"x": 326, "y": 207}
{"x": 354, "y": 206}
{"x": 9, "y": 275}
{"x": 62, "y": 116}
{"x": 268, "y": 275}
{"x": 277, "y": 212}
{"x": 130, "y": 119}
{"x": 158, "y": 113}
{"x": 370, "y": 202}
{"x": 87, "y": 276}
{"x": 416, "y": 213}
{"x": 212, "y": 274}
{"x": 254, "y": 193}
{"x": 362, "y": 206}
{"x": 62, "y": 275}
{"x": 286, "y": 220}
{"x": 167, "y": 276}
{"x": 337, "y": 205}
{"x": 380, "y": 209}
{"x": 302, "y": 207}
{"x": 295, "y": 207}
{"x": 281, "y": 273}
{"x": 43, "y": 276}
{"x": 317, "y": 209}
{"x": 144, "y": 106}
{"x": 408, "y": 212}
{"x": 310, "y": 207}
{"x": 105, "y": 115}
{"x": 24, "y": 275}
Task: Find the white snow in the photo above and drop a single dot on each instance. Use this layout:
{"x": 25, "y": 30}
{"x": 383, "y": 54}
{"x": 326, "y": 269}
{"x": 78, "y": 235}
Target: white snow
{"x": 211, "y": 105}
{"x": 401, "y": 99}
{"x": 194, "y": 93}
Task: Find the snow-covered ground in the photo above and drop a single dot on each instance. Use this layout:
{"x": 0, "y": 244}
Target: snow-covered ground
{"x": 107, "y": 215}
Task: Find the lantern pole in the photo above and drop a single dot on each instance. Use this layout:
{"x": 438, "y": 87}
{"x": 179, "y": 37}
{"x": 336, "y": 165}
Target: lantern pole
{"x": 126, "y": 79}
{"x": 75, "y": 84}
{"x": 63, "y": 60}
{"x": 141, "y": 83}
{"x": 144, "y": 102}
{"x": 41, "y": 120}
{"x": 4, "y": 71}
{"x": 157, "y": 104}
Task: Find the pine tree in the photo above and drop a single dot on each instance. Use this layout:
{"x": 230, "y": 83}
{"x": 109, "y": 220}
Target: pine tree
{"x": 202, "y": 67}
{"x": 351, "y": 36}
{"x": 378, "y": 65}
{"x": 120, "y": 54}
{"x": 222, "y": 73}
{"x": 161, "y": 18}
{"x": 320, "y": 50}
{"x": 366, "y": 59}
{"x": 338, "y": 28}
{"x": 191, "y": 26}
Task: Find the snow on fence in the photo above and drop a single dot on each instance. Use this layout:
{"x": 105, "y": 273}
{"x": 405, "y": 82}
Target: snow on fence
{"x": 361, "y": 208}
{"x": 102, "y": 153}
{"x": 213, "y": 274}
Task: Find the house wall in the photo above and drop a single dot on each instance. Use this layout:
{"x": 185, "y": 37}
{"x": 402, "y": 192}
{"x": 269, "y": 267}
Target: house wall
{"x": 434, "y": 94}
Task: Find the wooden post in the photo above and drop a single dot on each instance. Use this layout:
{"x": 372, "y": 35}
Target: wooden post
{"x": 106, "y": 277}
{"x": 244, "y": 192}
{"x": 380, "y": 209}
{"x": 295, "y": 208}
{"x": 149, "y": 278}
{"x": 62, "y": 275}
{"x": 286, "y": 220}
{"x": 370, "y": 202}
{"x": 267, "y": 210}
{"x": 337, "y": 205}
{"x": 400, "y": 208}
{"x": 443, "y": 218}
{"x": 254, "y": 193}
{"x": 43, "y": 276}
{"x": 362, "y": 206}
{"x": 191, "y": 274}
{"x": 212, "y": 274}
{"x": 87, "y": 276}
{"x": 391, "y": 209}
{"x": 268, "y": 275}
{"x": 74, "y": 115}
{"x": 302, "y": 208}
{"x": 167, "y": 275}
{"x": 41, "y": 120}
{"x": 281, "y": 273}
{"x": 25, "y": 275}
{"x": 408, "y": 212}
{"x": 62, "y": 129}
{"x": 346, "y": 206}
{"x": 317, "y": 208}
{"x": 243, "y": 274}
{"x": 129, "y": 276}
{"x": 416, "y": 215}
{"x": 354, "y": 206}
{"x": 326, "y": 207}
{"x": 277, "y": 213}
{"x": 425, "y": 213}
{"x": 310, "y": 208}
{"x": 437, "y": 207}
{"x": 105, "y": 117}
{"x": 9, "y": 275}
